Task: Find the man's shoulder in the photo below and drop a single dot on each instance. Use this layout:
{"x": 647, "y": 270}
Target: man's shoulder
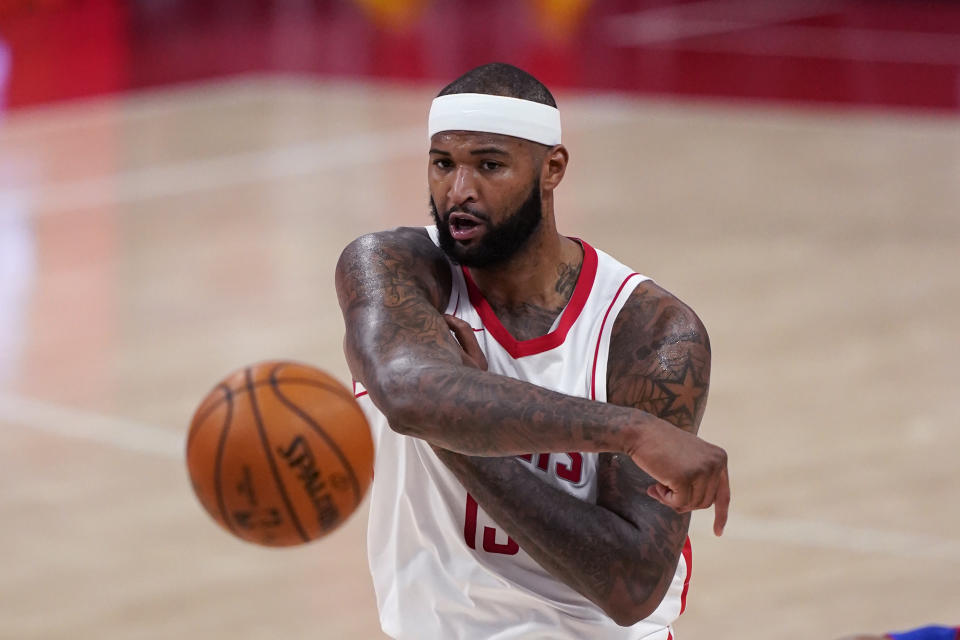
{"x": 415, "y": 234}
{"x": 414, "y": 238}
{"x": 659, "y": 357}
{"x": 396, "y": 257}
{"x": 652, "y": 313}
{"x": 409, "y": 247}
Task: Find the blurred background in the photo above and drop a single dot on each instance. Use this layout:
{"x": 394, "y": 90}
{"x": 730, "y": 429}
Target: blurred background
{"x": 178, "y": 178}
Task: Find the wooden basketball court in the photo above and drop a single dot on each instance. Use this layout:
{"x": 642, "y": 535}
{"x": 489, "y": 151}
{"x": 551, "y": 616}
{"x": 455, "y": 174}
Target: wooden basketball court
{"x": 151, "y": 243}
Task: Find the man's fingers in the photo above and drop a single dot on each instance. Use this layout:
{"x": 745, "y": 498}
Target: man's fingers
{"x": 717, "y": 493}
{"x": 710, "y": 494}
{"x": 464, "y": 334}
{"x": 458, "y": 326}
{"x": 454, "y": 322}
{"x": 722, "y": 505}
{"x": 676, "y": 500}
{"x": 662, "y": 494}
{"x": 699, "y": 493}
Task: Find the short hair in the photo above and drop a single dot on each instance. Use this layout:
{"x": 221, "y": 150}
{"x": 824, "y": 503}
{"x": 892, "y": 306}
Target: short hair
{"x": 501, "y": 79}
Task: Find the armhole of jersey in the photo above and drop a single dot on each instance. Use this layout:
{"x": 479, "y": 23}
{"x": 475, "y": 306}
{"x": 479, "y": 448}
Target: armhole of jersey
{"x": 457, "y": 284}
{"x": 598, "y": 376}
{"x": 432, "y": 232}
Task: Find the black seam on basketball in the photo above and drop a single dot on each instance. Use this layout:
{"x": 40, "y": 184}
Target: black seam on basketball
{"x": 199, "y": 421}
{"x": 273, "y": 463}
{"x": 320, "y": 432}
{"x": 336, "y": 389}
{"x": 343, "y": 393}
{"x": 218, "y": 466}
{"x": 263, "y": 383}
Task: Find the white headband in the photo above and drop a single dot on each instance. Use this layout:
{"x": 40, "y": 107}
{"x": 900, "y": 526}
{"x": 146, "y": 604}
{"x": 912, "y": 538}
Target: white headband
{"x": 495, "y": 114}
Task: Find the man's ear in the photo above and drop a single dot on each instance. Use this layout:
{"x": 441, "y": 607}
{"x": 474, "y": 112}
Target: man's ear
{"x": 553, "y": 168}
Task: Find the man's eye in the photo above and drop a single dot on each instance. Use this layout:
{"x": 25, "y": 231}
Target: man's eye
{"x": 489, "y": 165}
{"x": 440, "y": 163}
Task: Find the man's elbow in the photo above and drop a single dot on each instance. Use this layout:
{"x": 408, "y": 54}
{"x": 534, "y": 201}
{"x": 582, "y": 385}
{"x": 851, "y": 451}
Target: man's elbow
{"x": 635, "y": 602}
{"x": 627, "y": 616}
{"x": 396, "y": 393}
{"x": 402, "y": 415}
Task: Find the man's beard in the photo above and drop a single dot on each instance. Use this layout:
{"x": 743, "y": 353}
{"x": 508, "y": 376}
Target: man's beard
{"x": 500, "y": 242}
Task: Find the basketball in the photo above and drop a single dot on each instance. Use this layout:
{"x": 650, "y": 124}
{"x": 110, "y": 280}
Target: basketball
{"x": 279, "y": 453}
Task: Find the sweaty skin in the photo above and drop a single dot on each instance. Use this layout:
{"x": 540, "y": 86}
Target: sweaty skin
{"x": 392, "y": 288}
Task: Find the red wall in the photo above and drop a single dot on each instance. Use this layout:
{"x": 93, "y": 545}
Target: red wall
{"x": 897, "y": 54}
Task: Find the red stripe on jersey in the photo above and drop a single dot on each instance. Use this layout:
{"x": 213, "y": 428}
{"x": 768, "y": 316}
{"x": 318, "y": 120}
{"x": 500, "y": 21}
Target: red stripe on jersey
{"x": 519, "y": 348}
{"x": 688, "y": 558}
{"x": 355, "y": 394}
{"x": 596, "y": 352}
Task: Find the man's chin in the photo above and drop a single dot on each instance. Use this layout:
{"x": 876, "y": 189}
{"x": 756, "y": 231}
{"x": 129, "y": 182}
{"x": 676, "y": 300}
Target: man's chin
{"x": 462, "y": 254}
{"x": 467, "y": 254}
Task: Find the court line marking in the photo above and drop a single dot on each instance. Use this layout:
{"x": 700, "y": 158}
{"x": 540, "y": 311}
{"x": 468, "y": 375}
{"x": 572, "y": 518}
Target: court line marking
{"x": 221, "y": 171}
{"x": 78, "y": 424}
{"x": 231, "y": 170}
{"x": 101, "y": 110}
{"x": 136, "y": 437}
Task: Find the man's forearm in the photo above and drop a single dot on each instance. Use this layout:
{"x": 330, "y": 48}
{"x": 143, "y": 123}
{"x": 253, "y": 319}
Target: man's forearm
{"x": 484, "y": 414}
{"x": 392, "y": 288}
{"x": 623, "y": 570}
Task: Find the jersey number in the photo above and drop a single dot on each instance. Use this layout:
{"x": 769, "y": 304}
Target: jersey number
{"x": 571, "y": 472}
{"x": 490, "y": 544}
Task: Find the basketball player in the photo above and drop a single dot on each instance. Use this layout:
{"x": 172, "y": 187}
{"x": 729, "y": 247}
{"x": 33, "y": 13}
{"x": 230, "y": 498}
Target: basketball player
{"x": 533, "y": 401}
{"x": 933, "y": 632}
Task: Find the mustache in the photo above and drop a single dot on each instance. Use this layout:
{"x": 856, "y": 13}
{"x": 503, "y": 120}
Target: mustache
{"x": 460, "y": 208}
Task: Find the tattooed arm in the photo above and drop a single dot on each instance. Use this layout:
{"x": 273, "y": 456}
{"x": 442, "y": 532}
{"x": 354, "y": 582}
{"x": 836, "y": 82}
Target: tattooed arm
{"x": 392, "y": 287}
{"x": 622, "y": 552}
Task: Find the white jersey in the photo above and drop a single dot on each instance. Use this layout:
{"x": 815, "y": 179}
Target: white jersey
{"x": 442, "y": 568}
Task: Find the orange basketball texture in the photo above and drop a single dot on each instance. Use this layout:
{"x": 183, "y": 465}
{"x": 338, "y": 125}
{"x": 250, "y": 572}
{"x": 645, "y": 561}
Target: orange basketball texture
{"x": 280, "y": 453}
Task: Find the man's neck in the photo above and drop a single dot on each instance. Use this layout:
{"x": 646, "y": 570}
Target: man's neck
{"x": 541, "y": 276}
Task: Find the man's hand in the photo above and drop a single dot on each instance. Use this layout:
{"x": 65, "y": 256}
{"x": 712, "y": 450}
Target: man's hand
{"x": 691, "y": 473}
{"x": 472, "y": 353}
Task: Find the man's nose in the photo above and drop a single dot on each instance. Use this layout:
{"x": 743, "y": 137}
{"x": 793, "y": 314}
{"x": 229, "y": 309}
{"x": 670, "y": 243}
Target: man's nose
{"x": 464, "y": 187}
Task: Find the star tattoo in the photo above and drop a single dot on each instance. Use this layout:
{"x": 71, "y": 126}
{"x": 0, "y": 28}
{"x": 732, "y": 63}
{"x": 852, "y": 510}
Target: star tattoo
{"x": 682, "y": 395}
